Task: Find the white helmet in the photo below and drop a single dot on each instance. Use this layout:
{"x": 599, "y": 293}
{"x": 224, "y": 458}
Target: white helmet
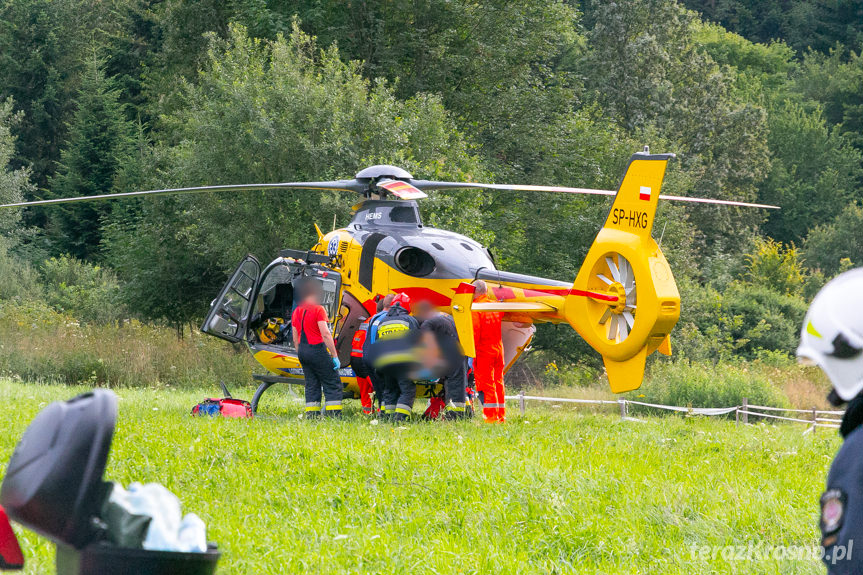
{"x": 832, "y": 335}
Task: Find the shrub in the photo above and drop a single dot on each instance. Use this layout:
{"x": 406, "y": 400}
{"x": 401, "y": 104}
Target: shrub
{"x": 88, "y": 292}
{"x": 760, "y": 318}
{"x": 563, "y": 375}
{"x": 702, "y": 385}
{"x": 777, "y": 266}
{"x": 828, "y": 245}
{"x": 41, "y": 344}
{"x": 17, "y": 280}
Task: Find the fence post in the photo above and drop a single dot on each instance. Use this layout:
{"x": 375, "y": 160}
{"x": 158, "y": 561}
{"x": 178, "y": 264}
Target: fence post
{"x": 622, "y": 408}
{"x": 521, "y": 401}
{"x": 814, "y": 419}
{"x": 737, "y": 416}
{"x": 745, "y": 408}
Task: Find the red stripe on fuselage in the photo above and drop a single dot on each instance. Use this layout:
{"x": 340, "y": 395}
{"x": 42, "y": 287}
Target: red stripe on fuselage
{"x": 425, "y": 294}
{"x": 594, "y": 295}
{"x": 503, "y": 293}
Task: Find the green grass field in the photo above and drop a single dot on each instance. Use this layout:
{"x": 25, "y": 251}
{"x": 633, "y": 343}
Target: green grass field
{"x": 558, "y": 491}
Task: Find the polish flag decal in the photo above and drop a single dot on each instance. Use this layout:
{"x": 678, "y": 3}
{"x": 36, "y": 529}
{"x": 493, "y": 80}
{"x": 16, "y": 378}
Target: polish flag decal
{"x": 644, "y": 193}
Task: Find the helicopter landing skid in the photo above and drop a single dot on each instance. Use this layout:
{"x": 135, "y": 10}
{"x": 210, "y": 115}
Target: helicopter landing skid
{"x": 266, "y": 382}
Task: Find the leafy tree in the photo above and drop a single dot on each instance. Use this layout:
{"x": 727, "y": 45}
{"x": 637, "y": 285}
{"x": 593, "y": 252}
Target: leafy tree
{"x": 828, "y": 245}
{"x": 14, "y": 183}
{"x": 98, "y": 142}
{"x": 287, "y": 111}
{"x": 644, "y": 67}
{"x": 17, "y": 279}
{"x": 813, "y": 175}
{"x": 837, "y": 84}
{"x": 816, "y": 24}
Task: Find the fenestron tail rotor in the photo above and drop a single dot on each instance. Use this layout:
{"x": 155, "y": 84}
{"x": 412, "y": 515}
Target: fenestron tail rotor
{"x": 619, "y": 317}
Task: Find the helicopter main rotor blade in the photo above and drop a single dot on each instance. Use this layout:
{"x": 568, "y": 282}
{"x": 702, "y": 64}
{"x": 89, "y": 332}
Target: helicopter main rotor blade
{"x": 338, "y": 185}
{"x": 432, "y": 185}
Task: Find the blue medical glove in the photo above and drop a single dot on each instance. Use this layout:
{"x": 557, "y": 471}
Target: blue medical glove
{"x": 336, "y": 363}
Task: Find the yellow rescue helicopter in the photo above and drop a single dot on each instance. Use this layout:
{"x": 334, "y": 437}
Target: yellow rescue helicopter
{"x": 624, "y": 301}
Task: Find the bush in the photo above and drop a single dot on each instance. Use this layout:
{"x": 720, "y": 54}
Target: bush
{"x": 88, "y": 292}
{"x": 703, "y": 385}
{"x": 828, "y": 245}
{"x": 775, "y": 265}
{"x": 39, "y": 343}
{"x": 17, "y": 280}
{"x": 759, "y": 318}
{"x": 562, "y": 375}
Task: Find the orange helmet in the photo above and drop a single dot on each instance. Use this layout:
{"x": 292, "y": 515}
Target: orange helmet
{"x": 403, "y": 300}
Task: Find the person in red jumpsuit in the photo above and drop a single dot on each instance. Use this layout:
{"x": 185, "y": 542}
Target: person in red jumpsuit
{"x": 488, "y": 364}
{"x": 359, "y": 367}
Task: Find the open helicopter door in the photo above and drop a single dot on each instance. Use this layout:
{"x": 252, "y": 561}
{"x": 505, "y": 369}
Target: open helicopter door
{"x": 229, "y": 313}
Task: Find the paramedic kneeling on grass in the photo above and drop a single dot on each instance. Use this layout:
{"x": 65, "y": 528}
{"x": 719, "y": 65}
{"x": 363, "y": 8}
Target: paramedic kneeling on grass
{"x": 316, "y": 351}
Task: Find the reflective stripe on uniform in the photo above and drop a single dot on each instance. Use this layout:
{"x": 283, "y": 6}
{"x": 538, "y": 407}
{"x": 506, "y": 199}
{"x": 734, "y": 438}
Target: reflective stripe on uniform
{"x": 493, "y": 405}
{"x": 454, "y": 407}
{"x": 388, "y": 408}
{"x": 313, "y": 407}
{"x": 394, "y": 358}
{"x": 332, "y": 405}
{"x": 403, "y": 408}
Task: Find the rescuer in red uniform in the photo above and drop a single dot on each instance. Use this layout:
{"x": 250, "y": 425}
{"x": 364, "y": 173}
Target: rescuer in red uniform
{"x": 359, "y": 366}
{"x": 317, "y": 353}
{"x": 488, "y": 364}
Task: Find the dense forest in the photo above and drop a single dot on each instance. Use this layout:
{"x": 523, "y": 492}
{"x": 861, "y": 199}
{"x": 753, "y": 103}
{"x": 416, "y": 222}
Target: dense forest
{"x": 760, "y": 100}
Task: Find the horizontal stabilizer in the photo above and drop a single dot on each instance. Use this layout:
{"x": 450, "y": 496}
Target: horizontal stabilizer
{"x": 514, "y": 306}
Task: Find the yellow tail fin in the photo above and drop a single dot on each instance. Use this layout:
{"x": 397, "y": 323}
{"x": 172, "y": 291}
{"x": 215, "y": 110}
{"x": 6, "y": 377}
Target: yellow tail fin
{"x": 624, "y": 301}
{"x": 635, "y": 204}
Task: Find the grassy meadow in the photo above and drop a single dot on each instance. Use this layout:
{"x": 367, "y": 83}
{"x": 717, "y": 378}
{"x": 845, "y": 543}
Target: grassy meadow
{"x": 557, "y": 491}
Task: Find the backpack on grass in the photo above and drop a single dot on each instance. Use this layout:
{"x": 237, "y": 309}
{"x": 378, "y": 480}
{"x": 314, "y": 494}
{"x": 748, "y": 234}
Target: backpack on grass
{"x": 226, "y": 407}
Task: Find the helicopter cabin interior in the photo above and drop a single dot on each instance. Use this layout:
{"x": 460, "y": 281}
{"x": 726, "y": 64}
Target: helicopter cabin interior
{"x": 256, "y": 305}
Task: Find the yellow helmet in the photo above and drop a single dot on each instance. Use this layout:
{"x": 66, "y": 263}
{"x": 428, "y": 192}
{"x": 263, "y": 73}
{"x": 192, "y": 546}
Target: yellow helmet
{"x": 272, "y": 330}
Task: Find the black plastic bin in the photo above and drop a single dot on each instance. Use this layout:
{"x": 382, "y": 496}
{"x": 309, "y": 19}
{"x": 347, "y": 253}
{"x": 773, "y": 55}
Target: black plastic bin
{"x": 108, "y": 559}
{"x": 53, "y": 485}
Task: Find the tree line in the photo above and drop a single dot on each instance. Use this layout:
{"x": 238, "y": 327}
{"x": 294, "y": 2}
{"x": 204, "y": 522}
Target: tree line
{"x": 759, "y": 100}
